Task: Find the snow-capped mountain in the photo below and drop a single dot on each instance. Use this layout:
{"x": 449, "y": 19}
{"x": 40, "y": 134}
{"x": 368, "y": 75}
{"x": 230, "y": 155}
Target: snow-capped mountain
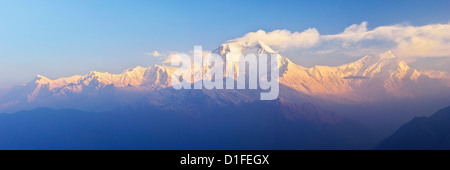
{"x": 368, "y": 79}
{"x": 97, "y": 87}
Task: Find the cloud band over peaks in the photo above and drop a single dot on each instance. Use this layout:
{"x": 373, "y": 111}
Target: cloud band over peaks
{"x": 357, "y": 40}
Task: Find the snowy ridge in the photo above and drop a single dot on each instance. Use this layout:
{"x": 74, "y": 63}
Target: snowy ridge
{"x": 369, "y": 79}
{"x": 132, "y": 77}
{"x": 151, "y": 78}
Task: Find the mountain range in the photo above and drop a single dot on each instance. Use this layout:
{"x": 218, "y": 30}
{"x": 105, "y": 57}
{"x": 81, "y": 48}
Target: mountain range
{"x": 140, "y": 100}
{"x": 367, "y": 80}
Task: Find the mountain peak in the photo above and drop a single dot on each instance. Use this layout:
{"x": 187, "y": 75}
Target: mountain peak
{"x": 244, "y": 47}
{"x": 383, "y": 56}
{"x": 138, "y": 68}
{"x": 387, "y": 55}
{"x": 264, "y": 47}
{"x": 40, "y": 77}
{"x": 92, "y": 73}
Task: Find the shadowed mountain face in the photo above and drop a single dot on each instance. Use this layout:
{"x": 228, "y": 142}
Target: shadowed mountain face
{"x": 427, "y": 133}
{"x": 259, "y": 125}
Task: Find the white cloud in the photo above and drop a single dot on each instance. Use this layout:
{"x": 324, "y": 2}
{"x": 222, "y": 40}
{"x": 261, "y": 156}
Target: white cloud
{"x": 168, "y": 59}
{"x": 405, "y": 41}
{"x": 283, "y": 39}
{"x": 309, "y": 47}
{"x": 155, "y": 54}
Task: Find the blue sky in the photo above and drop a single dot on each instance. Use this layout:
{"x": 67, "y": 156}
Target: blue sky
{"x": 59, "y": 38}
